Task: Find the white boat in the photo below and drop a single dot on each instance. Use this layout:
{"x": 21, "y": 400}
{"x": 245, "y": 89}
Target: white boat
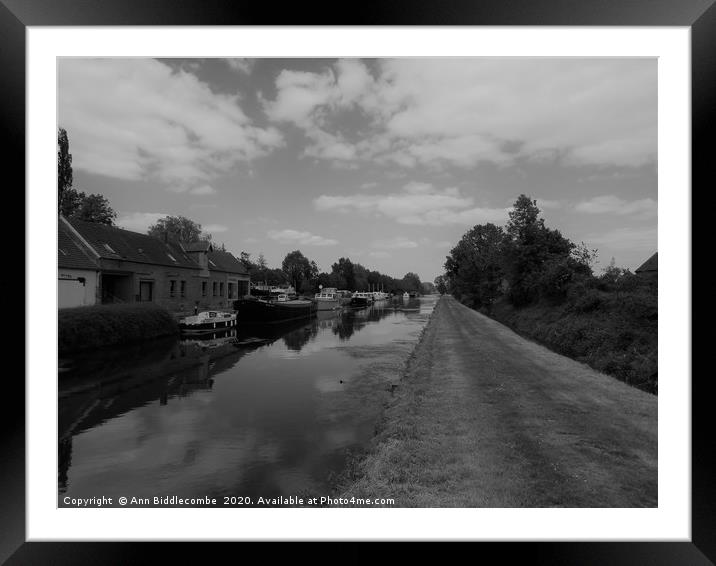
{"x": 207, "y": 321}
{"x": 327, "y": 299}
{"x": 406, "y": 295}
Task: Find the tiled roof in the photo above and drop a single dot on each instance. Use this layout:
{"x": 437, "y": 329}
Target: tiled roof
{"x": 649, "y": 265}
{"x": 226, "y": 262}
{"x": 197, "y": 246}
{"x": 111, "y": 242}
{"x": 71, "y": 253}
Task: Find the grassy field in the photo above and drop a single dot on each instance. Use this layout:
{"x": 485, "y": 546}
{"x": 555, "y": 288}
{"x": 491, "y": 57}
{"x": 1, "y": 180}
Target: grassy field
{"x": 485, "y": 418}
{"x": 106, "y": 325}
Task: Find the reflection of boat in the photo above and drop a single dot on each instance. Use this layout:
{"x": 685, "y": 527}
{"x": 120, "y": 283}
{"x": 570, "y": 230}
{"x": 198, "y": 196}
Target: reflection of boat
{"x": 211, "y": 340}
{"x": 358, "y": 302}
{"x": 207, "y": 322}
{"x": 327, "y": 299}
{"x": 260, "y": 311}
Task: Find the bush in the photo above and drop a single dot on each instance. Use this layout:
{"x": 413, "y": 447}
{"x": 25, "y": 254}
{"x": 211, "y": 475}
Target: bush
{"x": 105, "y": 325}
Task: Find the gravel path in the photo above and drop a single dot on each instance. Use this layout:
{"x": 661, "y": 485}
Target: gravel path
{"x": 485, "y": 418}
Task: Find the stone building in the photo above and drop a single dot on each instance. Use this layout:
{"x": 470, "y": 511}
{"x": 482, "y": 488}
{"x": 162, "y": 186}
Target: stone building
{"x": 132, "y": 267}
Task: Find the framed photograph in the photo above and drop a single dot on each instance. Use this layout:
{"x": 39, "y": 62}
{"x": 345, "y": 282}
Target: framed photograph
{"x": 336, "y": 172}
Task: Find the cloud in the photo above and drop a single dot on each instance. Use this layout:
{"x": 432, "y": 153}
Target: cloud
{"x": 610, "y": 204}
{"x": 214, "y": 228}
{"x": 241, "y": 64}
{"x": 297, "y": 237}
{"x": 369, "y": 185}
{"x": 548, "y": 204}
{"x": 203, "y": 190}
{"x": 397, "y": 243}
{"x": 418, "y": 204}
{"x": 139, "y": 221}
{"x": 379, "y": 254}
{"x": 462, "y": 111}
{"x": 137, "y": 119}
{"x": 633, "y": 239}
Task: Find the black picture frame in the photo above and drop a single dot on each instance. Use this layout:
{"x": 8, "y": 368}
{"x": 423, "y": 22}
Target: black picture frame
{"x": 17, "y": 15}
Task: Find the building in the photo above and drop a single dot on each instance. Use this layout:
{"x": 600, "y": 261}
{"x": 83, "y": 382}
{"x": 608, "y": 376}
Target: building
{"x": 649, "y": 267}
{"x": 133, "y": 267}
{"x": 77, "y": 270}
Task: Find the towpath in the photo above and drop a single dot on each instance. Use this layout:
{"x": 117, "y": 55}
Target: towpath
{"x": 486, "y": 418}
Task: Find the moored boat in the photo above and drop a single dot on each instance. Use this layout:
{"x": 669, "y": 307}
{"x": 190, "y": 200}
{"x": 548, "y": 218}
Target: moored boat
{"x": 261, "y": 311}
{"x": 207, "y": 322}
{"x": 327, "y": 299}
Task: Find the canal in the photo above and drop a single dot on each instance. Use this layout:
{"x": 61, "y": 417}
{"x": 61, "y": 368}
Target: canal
{"x": 264, "y": 412}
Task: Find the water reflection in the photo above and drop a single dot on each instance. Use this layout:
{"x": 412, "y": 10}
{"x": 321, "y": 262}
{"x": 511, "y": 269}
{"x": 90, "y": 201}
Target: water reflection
{"x": 250, "y": 408}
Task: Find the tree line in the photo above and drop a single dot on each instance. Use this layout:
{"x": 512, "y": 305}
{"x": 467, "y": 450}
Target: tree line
{"x": 541, "y": 284}
{"x": 304, "y": 274}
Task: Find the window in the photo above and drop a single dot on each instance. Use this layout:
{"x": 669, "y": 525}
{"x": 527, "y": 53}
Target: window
{"x": 172, "y": 287}
{"x": 213, "y": 288}
{"x": 203, "y": 288}
{"x": 231, "y": 290}
{"x": 221, "y": 289}
{"x": 183, "y": 288}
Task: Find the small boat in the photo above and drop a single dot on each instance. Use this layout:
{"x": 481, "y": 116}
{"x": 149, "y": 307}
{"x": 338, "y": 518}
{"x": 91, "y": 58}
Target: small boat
{"x": 278, "y": 309}
{"x": 406, "y": 295}
{"x": 207, "y": 322}
{"x": 328, "y": 299}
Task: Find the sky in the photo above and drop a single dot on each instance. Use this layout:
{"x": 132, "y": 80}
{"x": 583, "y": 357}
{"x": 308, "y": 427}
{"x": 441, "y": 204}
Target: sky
{"x": 385, "y": 161}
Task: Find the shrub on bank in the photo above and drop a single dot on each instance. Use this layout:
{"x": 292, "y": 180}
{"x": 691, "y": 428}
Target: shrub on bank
{"x": 614, "y": 331}
{"x": 80, "y": 328}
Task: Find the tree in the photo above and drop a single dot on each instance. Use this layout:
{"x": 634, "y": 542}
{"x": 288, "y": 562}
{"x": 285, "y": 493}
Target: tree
{"x": 411, "y": 282}
{"x": 297, "y": 268}
{"x": 178, "y": 229}
{"x": 441, "y": 284}
{"x": 64, "y": 168}
{"x": 344, "y": 269}
{"x": 94, "y": 208}
{"x": 245, "y": 259}
{"x": 474, "y": 266}
{"x": 536, "y": 258}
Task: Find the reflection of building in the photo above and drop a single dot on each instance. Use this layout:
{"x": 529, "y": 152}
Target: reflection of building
{"x": 120, "y": 266}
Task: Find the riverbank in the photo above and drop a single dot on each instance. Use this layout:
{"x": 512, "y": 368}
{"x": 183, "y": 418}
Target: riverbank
{"x": 82, "y": 328}
{"x": 615, "y": 333}
{"x": 486, "y": 418}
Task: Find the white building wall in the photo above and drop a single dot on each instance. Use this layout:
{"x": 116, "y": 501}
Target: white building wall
{"x": 71, "y": 292}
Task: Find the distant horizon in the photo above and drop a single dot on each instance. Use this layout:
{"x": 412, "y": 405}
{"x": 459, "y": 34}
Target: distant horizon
{"x": 390, "y": 161}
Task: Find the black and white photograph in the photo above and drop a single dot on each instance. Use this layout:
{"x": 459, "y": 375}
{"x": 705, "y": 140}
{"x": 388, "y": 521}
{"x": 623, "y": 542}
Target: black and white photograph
{"x": 407, "y": 282}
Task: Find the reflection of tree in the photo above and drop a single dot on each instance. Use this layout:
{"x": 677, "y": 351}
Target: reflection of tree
{"x": 354, "y": 320}
{"x": 297, "y": 339}
{"x": 65, "y": 459}
{"x": 345, "y": 327}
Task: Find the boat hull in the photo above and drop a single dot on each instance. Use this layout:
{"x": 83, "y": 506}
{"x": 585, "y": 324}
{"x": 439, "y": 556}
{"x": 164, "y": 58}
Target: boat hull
{"x": 223, "y": 321}
{"x": 271, "y": 312}
{"x": 327, "y": 304}
{"x": 358, "y": 302}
